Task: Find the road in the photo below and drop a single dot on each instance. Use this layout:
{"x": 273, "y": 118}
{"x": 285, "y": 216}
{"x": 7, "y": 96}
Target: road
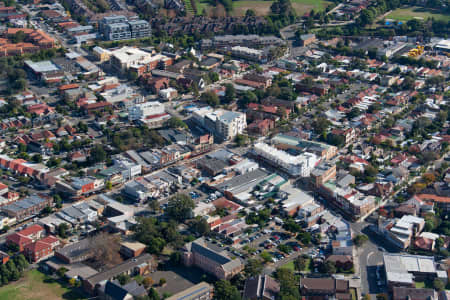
{"x": 369, "y": 256}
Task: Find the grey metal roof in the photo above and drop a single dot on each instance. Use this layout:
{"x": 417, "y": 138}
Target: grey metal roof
{"x": 25, "y": 203}
{"x": 199, "y": 247}
{"x": 119, "y": 269}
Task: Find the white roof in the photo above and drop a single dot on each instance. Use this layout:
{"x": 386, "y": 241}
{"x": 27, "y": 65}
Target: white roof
{"x": 399, "y": 267}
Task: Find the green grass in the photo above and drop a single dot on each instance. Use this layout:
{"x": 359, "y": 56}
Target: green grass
{"x": 289, "y": 265}
{"x": 308, "y": 265}
{"x": 420, "y": 284}
{"x": 406, "y": 14}
{"x": 36, "y": 286}
{"x": 189, "y": 7}
{"x": 303, "y": 6}
{"x": 201, "y": 4}
{"x": 262, "y": 7}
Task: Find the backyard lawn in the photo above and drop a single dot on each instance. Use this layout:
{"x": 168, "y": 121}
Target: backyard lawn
{"x": 406, "y": 14}
{"x": 37, "y": 286}
{"x": 290, "y": 266}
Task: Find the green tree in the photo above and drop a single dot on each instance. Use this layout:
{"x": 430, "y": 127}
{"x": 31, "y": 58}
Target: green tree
{"x": 37, "y": 158}
{"x": 123, "y": 279}
{"x": 438, "y": 284}
{"x": 230, "y": 92}
{"x": 266, "y": 256}
{"x": 57, "y": 200}
{"x": 253, "y": 267}
{"x": 328, "y": 267}
{"x": 240, "y": 140}
{"x": 300, "y": 263}
{"x": 21, "y": 262}
{"x": 360, "y": 239}
{"x": 108, "y": 185}
{"x": 210, "y": 98}
{"x": 250, "y": 13}
{"x": 320, "y": 125}
{"x": 162, "y": 281}
{"x": 355, "y": 112}
{"x": 153, "y": 294}
{"x": 61, "y": 271}
{"x": 224, "y": 290}
{"x": 213, "y": 76}
{"x": 176, "y": 122}
{"x": 180, "y": 207}
{"x": 288, "y": 284}
{"x": 98, "y": 154}
{"x": 304, "y": 237}
{"x": 201, "y": 226}
{"x": 62, "y": 230}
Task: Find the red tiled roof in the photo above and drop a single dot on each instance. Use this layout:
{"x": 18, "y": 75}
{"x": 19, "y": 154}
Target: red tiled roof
{"x": 33, "y": 229}
{"x": 37, "y": 246}
{"x": 434, "y": 198}
{"x": 50, "y": 239}
{"x": 18, "y": 239}
{"x": 68, "y": 86}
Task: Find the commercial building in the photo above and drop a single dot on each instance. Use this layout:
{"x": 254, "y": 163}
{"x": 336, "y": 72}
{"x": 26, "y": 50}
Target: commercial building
{"x": 201, "y": 291}
{"x": 79, "y": 187}
{"x": 211, "y": 259}
{"x": 249, "y": 53}
{"x": 322, "y": 150}
{"x": 251, "y": 40}
{"x": 116, "y": 28}
{"x": 402, "y": 270}
{"x": 27, "y": 207}
{"x": 143, "y": 110}
{"x": 293, "y": 200}
{"x": 443, "y": 46}
{"x": 352, "y": 203}
{"x": 402, "y": 231}
{"x": 322, "y": 173}
{"x": 239, "y": 187}
{"x": 77, "y": 214}
{"x": 223, "y": 123}
{"x": 136, "y": 60}
{"x": 294, "y": 165}
{"x": 101, "y": 54}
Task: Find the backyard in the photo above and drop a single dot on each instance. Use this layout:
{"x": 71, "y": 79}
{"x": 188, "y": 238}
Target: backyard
{"x": 36, "y": 286}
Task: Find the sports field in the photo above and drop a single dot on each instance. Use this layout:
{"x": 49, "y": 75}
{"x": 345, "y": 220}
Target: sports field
{"x": 262, "y": 7}
{"x": 406, "y": 14}
{"x": 36, "y": 286}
